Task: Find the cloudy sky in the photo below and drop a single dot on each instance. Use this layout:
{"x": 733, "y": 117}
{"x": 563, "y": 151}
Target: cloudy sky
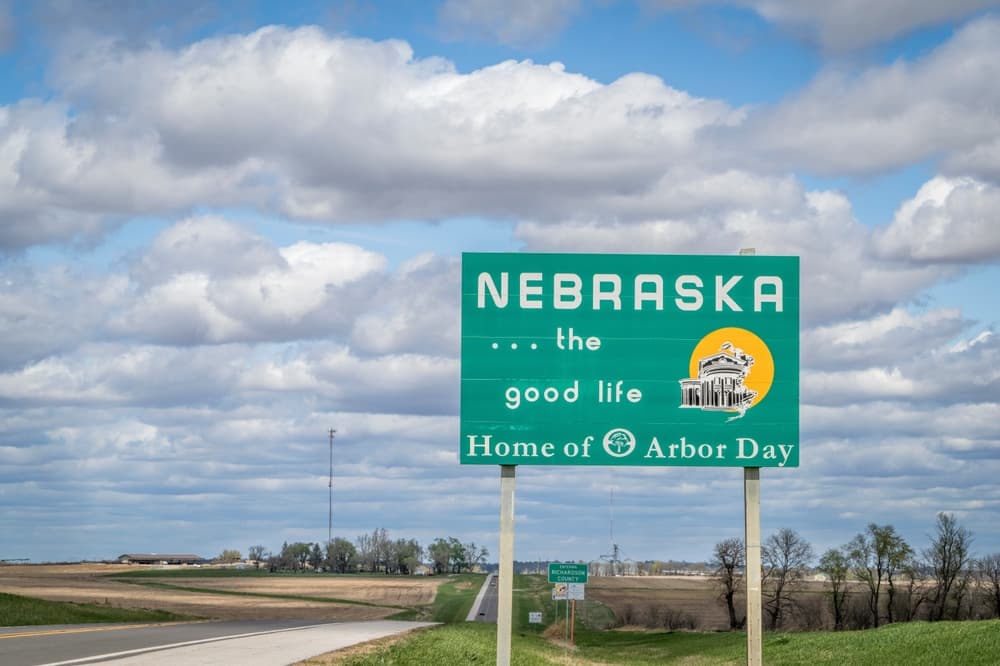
{"x": 228, "y": 227}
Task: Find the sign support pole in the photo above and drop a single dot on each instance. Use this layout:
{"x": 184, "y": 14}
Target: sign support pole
{"x": 566, "y": 619}
{"x": 572, "y": 623}
{"x": 505, "y": 586}
{"x": 751, "y": 496}
{"x": 751, "y": 503}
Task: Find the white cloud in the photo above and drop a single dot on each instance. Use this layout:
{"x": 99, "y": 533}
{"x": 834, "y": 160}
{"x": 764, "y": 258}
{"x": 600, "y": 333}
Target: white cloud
{"x": 112, "y": 374}
{"x": 415, "y": 309}
{"x": 866, "y": 342}
{"x": 205, "y": 245}
{"x": 49, "y": 310}
{"x": 363, "y": 131}
{"x": 849, "y": 24}
{"x": 396, "y": 383}
{"x": 514, "y": 22}
{"x": 841, "y": 275}
{"x": 209, "y": 367}
{"x": 931, "y": 371}
{"x": 948, "y": 220}
{"x": 206, "y": 280}
{"x": 889, "y": 116}
{"x": 980, "y": 161}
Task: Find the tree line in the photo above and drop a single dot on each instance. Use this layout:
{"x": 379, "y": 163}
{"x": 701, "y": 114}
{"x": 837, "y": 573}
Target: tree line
{"x": 875, "y": 578}
{"x": 368, "y": 553}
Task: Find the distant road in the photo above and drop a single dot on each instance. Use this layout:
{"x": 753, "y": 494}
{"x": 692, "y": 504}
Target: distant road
{"x": 248, "y": 643}
{"x": 485, "y": 607}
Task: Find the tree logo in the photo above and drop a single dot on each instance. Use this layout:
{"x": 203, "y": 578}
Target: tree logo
{"x": 720, "y": 376}
{"x": 619, "y": 442}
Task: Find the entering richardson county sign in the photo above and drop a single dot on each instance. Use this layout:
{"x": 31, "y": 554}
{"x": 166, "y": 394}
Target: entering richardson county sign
{"x": 567, "y": 572}
{"x": 610, "y": 359}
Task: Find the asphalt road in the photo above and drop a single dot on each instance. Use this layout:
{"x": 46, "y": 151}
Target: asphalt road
{"x": 487, "y": 602}
{"x": 257, "y": 643}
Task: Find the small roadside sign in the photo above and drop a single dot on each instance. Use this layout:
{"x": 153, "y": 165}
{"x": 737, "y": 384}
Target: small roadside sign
{"x": 559, "y": 591}
{"x": 534, "y": 617}
{"x": 575, "y": 591}
{"x": 567, "y": 572}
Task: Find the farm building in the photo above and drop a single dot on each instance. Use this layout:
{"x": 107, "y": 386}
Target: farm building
{"x": 159, "y": 558}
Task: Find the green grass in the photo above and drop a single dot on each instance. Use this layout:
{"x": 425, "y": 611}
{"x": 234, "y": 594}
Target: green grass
{"x": 534, "y": 593}
{"x": 914, "y": 644}
{"x": 466, "y": 643}
{"x": 451, "y": 603}
{"x": 17, "y": 611}
{"x": 454, "y": 598}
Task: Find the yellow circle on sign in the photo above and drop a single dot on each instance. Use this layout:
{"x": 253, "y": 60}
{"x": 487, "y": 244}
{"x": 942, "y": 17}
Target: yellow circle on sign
{"x": 761, "y": 374}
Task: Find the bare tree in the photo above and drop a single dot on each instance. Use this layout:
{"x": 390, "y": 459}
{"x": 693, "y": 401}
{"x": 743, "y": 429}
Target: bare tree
{"x": 876, "y": 556}
{"x": 898, "y": 556}
{"x": 836, "y": 566}
{"x": 374, "y": 550}
{"x": 989, "y": 574}
{"x": 382, "y": 547}
{"x": 913, "y": 596}
{"x": 785, "y": 557}
{"x": 948, "y": 557}
{"x": 474, "y": 556}
{"x": 367, "y": 557}
{"x": 728, "y": 560}
{"x": 256, "y": 554}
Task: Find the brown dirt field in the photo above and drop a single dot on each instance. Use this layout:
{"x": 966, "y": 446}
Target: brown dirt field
{"x": 389, "y": 591}
{"x": 636, "y": 595}
{"x": 645, "y": 600}
{"x": 87, "y": 583}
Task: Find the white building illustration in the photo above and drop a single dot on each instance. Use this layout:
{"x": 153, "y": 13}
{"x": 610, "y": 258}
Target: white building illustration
{"x": 719, "y": 384}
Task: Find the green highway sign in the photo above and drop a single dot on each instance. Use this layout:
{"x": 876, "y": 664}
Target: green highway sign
{"x": 611, "y": 359}
{"x": 567, "y": 572}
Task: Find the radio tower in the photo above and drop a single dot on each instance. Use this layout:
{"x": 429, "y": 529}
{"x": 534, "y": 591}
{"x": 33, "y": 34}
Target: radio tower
{"x": 614, "y": 557}
{"x": 329, "y": 519}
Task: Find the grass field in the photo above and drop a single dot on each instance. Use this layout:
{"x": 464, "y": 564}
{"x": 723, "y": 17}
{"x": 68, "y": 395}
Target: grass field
{"x": 17, "y": 611}
{"x": 233, "y": 594}
{"x": 248, "y": 594}
{"x": 914, "y": 644}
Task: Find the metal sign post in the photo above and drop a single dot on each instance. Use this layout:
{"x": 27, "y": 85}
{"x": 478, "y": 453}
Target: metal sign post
{"x": 751, "y": 541}
{"x": 751, "y": 497}
{"x": 505, "y": 586}
{"x": 566, "y": 621}
{"x": 572, "y": 622}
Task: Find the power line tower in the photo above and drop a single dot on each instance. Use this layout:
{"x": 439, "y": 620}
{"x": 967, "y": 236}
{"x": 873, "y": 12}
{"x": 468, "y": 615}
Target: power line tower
{"x": 614, "y": 557}
{"x": 329, "y": 519}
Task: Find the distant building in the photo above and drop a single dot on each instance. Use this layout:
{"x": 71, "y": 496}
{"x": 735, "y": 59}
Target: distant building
{"x": 160, "y": 558}
{"x": 719, "y": 384}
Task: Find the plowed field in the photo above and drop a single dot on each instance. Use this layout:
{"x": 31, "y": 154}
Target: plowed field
{"x": 250, "y": 597}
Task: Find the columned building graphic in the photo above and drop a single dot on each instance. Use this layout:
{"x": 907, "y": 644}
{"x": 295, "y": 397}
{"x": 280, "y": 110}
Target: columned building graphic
{"x": 719, "y": 384}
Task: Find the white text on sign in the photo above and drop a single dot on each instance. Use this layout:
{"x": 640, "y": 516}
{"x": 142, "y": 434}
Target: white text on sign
{"x": 565, "y": 291}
